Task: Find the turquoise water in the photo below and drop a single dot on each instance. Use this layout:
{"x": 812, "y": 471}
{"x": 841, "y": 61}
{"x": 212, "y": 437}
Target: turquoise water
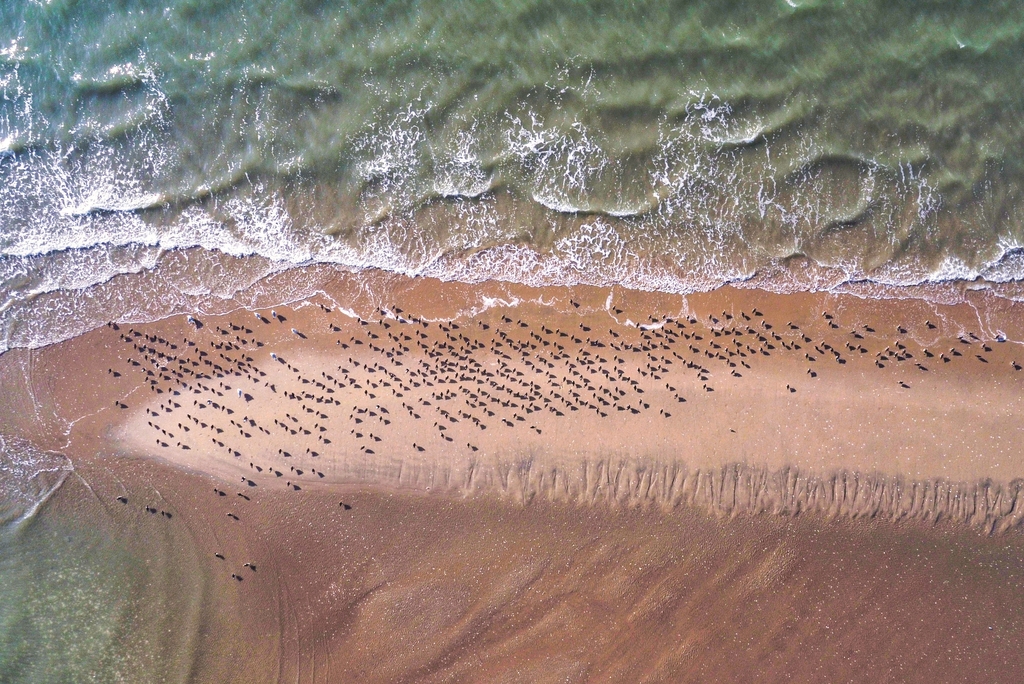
{"x": 665, "y": 146}
{"x": 64, "y": 608}
{"x": 85, "y": 597}
{"x": 668, "y": 146}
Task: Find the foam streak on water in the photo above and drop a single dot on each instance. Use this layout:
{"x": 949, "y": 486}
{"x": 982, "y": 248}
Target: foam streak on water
{"x": 28, "y": 478}
{"x": 656, "y": 147}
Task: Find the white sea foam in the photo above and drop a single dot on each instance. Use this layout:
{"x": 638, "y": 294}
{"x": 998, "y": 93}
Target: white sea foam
{"x": 565, "y": 166}
{"x": 104, "y": 200}
{"x": 75, "y": 220}
{"x": 14, "y": 51}
{"x": 458, "y": 170}
{"x": 28, "y": 477}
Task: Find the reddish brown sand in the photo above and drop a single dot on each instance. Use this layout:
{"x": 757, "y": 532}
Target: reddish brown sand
{"x": 636, "y": 538}
{"x": 405, "y": 587}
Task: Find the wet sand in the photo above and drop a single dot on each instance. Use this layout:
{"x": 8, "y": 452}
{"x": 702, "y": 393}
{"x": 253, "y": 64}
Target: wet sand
{"x": 414, "y": 587}
{"x": 491, "y": 482}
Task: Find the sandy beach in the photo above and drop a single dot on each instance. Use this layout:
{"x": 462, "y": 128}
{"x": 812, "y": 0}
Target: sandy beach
{"x": 405, "y": 479}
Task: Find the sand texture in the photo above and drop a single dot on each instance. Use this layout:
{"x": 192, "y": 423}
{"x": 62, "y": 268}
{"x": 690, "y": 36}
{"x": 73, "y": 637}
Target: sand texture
{"x": 734, "y": 412}
{"x": 449, "y": 482}
{"x": 404, "y": 587}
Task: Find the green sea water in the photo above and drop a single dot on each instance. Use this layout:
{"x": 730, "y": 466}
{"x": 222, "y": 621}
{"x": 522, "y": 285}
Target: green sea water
{"x": 659, "y": 145}
{"x": 92, "y": 590}
{"x": 66, "y": 605}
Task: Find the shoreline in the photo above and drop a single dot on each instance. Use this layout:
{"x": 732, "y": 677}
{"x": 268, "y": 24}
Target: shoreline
{"x": 593, "y": 395}
{"x": 836, "y": 529}
{"x": 251, "y": 281}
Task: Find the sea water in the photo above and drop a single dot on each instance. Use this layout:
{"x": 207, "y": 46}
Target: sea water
{"x": 658, "y": 145}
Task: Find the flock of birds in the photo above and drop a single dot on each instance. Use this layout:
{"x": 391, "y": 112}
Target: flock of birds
{"x": 398, "y": 383}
